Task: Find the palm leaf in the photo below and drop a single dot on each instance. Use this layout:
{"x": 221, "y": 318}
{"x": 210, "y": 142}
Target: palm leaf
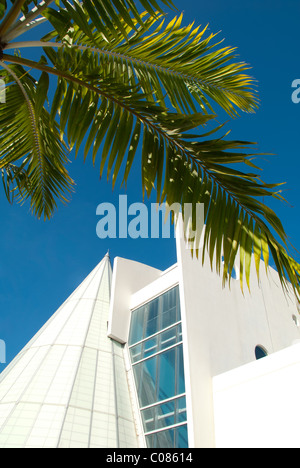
{"x": 173, "y": 61}
{"x": 32, "y": 158}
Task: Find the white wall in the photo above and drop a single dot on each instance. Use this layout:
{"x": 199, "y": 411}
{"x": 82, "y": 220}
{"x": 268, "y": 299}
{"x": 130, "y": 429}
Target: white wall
{"x": 224, "y": 327}
{"x": 128, "y": 277}
{"x": 167, "y": 280}
{"x": 257, "y": 405}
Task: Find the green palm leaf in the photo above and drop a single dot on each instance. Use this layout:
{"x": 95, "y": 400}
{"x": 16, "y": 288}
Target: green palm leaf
{"x": 171, "y": 60}
{"x": 32, "y": 157}
{"x": 81, "y": 13}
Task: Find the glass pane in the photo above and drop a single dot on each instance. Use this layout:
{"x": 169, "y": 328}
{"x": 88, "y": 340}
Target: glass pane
{"x": 165, "y": 414}
{"x": 181, "y": 437}
{"x": 137, "y": 325}
{"x": 147, "y": 383}
{"x": 168, "y": 338}
{"x": 136, "y": 353}
{"x": 158, "y": 314}
{"x": 169, "y": 309}
{"x": 166, "y": 387}
{"x": 260, "y": 352}
{"x": 160, "y": 416}
{"x": 180, "y": 383}
{"x": 179, "y": 333}
{"x": 137, "y": 371}
{"x": 180, "y": 410}
{"x": 151, "y": 346}
{"x": 152, "y": 318}
{"x": 148, "y": 416}
{"x": 165, "y": 439}
{"x": 150, "y": 440}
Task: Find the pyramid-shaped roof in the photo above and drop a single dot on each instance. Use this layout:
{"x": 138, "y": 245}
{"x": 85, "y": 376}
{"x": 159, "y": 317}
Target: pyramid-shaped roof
{"x": 68, "y": 386}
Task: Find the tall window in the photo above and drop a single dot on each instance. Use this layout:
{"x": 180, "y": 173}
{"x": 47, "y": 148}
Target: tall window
{"x": 155, "y": 345}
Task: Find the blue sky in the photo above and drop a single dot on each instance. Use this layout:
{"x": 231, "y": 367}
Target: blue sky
{"x": 42, "y": 263}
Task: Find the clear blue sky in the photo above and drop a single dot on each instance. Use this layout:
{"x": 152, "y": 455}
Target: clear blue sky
{"x": 42, "y": 263}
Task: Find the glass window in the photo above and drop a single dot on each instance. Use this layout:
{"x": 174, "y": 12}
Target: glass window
{"x": 152, "y": 325}
{"x": 260, "y": 352}
{"x": 172, "y": 438}
{"x": 170, "y": 312}
{"x": 137, "y": 328}
{"x": 181, "y": 410}
{"x": 156, "y": 351}
{"x": 159, "y": 416}
{"x": 148, "y": 416}
{"x": 162, "y": 439}
{"x": 150, "y": 346}
{"x": 156, "y": 343}
{"x": 168, "y": 338}
{"x": 166, "y": 414}
{"x": 180, "y": 383}
{"x": 181, "y": 437}
{"x": 166, "y": 374}
{"x": 146, "y": 381}
{"x": 155, "y": 316}
{"x": 137, "y": 352}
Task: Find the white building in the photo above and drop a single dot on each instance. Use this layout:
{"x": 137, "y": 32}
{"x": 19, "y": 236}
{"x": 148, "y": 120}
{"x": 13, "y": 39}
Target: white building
{"x": 140, "y": 357}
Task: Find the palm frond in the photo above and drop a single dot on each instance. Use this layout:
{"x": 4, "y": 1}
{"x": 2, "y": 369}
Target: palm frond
{"x": 32, "y": 157}
{"x": 171, "y": 60}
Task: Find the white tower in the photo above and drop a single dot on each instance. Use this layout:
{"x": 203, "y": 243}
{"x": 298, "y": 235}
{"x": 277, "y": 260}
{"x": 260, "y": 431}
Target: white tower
{"x": 68, "y": 386}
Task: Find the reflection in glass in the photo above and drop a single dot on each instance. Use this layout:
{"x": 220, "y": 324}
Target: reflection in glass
{"x": 166, "y": 375}
{"x": 181, "y": 437}
{"x": 155, "y": 316}
{"x": 146, "y": 381}
{"x": 168, "y": 338}
{"x": 155, "y": 344}
{"x": 136, "y": 353}
{"x": 180, "y": 383}
{"x": 150, "y": 346}
{"x": 164, "y": 415}
{"x": 137, "y": 328}
{"x": 171, "y": 438}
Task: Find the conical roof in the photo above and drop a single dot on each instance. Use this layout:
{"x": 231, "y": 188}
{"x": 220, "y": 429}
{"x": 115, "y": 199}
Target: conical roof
{"x": 68, "y": 386}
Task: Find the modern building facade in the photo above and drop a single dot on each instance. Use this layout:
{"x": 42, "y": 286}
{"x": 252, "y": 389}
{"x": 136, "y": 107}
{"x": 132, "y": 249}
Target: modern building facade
{"x": 139, "y": 357}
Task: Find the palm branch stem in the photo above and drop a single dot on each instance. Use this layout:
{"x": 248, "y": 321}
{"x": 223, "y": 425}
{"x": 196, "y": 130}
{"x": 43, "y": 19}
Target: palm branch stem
{"x": 109, "y": 53}
{"x": 11, "y": 16}
{"x": 28, "y": 22}
{"x": 23, "y": 28}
